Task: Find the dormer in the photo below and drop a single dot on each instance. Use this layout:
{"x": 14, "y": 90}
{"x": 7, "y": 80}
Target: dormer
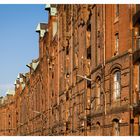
{"x": 17, "y": 83}
{"x": 42, "y": 28}
{"x": 51, "y": 8}
{"x": 33, "y": 65}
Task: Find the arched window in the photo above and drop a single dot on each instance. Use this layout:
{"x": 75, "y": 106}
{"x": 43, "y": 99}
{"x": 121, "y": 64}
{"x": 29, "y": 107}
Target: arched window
{"x": 74, "y": 117}
{"x": 98, "y": 92}
{"x": 116, "y": 43}
{"x": 116, "y": 85}
{"x": 116, "y": 127}
{"x": 117, "y": 10}
{"x": 61, "y": 110}
{"x": 98, "y": 126}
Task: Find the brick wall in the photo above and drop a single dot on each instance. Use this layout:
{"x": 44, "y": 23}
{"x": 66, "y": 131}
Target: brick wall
{"x": 55, "y": 101}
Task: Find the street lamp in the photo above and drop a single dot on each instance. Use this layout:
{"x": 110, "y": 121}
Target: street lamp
{"x": 43, "y": 116}
{"x": 19, "y": 127}
{"x": 88, "y": 79}
{"x": 37, "y": 112}
{"x": 84, "y": 77}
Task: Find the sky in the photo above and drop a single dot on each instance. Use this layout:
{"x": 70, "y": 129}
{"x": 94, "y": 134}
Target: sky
{"x": 18, "y": 40}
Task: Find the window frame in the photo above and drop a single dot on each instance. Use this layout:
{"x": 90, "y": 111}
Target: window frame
{"x": 116, "y": 85}
{"x": 98, "y": 126}
{"x": 116, "y": 43}
{"x": 116, "y": 127}
{"x": 117, "y": 10}
{"x": 98, "y": 92}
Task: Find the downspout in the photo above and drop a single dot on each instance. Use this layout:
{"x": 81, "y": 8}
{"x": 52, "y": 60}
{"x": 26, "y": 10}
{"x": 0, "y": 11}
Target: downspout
{"x": 71, "y": 84}
{"x": 131, "y": 78}
{"x": 104, "y": 32}
{"x": 131, "y": 91}
{"x": 58, "y": 62}
{"x": 104, "y": 56}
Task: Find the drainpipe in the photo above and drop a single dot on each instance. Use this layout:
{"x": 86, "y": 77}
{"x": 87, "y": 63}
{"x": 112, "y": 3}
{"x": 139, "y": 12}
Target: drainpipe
{"x": 104, "y": 8}
{"x": 104, "y": 56}
{"x": 131, "y": 79}
{"x": 58, "y": 63}
{"x": 71, "y": 49}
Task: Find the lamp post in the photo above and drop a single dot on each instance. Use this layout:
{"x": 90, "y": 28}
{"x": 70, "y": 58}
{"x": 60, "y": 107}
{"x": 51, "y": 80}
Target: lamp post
{"x": 88, "y": 79}
{"x": 44, "y": 118}
{"x": 84, "y": 77}
{"x": 19, "y": 126}
{"x": 37, "y": 112}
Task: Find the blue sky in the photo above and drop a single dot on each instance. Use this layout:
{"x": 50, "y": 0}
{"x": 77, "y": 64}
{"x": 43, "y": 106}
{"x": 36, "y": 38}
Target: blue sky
{"x": 18, "y": 40}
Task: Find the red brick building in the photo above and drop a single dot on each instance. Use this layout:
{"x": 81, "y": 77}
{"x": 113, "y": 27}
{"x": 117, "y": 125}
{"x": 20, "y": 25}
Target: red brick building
{"x": 7, "y": 117}
{"x": 86, "y": 79}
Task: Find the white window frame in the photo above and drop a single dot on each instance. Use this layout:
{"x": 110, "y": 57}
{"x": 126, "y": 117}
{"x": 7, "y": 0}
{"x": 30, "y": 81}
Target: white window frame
{"x": 116, "y": 128}
{"x": 117, "y": 85}
{"x": 116, "y": 42}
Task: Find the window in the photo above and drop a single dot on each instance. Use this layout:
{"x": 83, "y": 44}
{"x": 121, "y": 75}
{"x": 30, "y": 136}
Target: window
{"x": 82, "y": 100}
{"x": 89, "y": 121}
{"x": 116, "y": 43}
{"x": 116, "y": 84}
{"x": 89, "y": 82}
{"x": 98, "y": 126}
{"x": 88, "y": 43}
{"x": 117, "y": 10}
{"x": 54, "y": 28}
{"x": 61, "y": 111}
{"x": 98, "y": 91}
{"x": 74, "y": 117}
{"x": 116, "y": 127}
{"x": 67, "y": 126}
{"x": 67, "y": 50}
{"x": 138, "y": 38}
{"x": 89, "y": 52}
{"x": 67, "y": 96}
{"x": 132, "y": 126}
{"x": 76, "y": 59}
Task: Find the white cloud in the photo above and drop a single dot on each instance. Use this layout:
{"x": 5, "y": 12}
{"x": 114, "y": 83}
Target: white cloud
{"x": 4, "y": 88}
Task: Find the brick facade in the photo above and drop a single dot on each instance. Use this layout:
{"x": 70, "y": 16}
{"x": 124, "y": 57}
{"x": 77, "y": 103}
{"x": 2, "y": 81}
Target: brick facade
{"x": 86, "y": 79}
